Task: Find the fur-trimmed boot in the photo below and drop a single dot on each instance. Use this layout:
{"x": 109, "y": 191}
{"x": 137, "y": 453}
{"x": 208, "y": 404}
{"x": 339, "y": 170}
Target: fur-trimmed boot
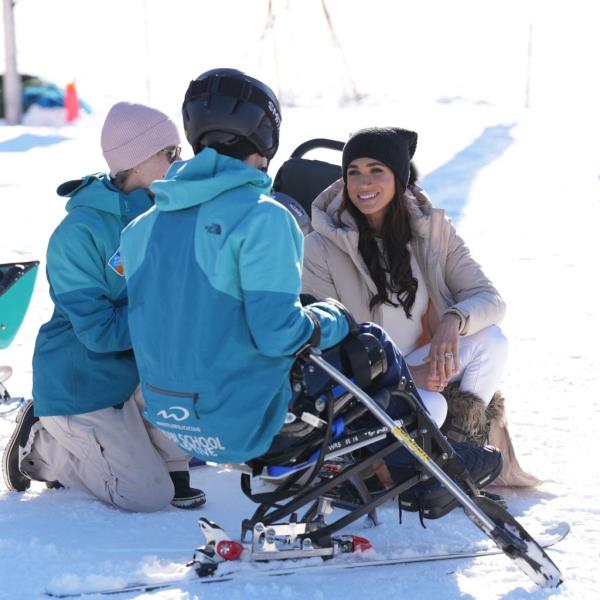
{"x": 470, "y": 420}
{"x": 466, "y": 420}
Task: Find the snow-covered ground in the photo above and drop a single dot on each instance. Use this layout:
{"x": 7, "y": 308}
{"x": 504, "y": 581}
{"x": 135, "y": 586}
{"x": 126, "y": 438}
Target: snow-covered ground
{"x": 522, "y": 184}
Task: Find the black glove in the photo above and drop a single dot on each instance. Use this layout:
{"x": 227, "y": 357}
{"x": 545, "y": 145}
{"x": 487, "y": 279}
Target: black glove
{"x": 351, "y": 322}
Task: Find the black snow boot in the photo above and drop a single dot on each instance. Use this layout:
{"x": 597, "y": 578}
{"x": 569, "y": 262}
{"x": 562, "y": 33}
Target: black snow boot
{"x": 483, "y": 464}
{"x": 185, "y": 496}
{"x": 430, "y": 498}
{"x": 18, "y": 445}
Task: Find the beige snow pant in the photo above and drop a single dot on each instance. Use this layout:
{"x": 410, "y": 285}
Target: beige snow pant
{"x": 113, "y": 454}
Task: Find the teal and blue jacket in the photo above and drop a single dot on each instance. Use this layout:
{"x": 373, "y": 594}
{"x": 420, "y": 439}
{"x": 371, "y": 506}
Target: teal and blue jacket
{"x": 214, "y": 273}
{"x": 83, "y": 360}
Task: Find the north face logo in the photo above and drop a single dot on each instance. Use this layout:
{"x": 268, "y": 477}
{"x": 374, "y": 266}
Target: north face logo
{"x": 214, "y": 228}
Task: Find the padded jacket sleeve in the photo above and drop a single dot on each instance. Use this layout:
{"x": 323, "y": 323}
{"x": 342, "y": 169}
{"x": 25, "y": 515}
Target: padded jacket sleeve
{"x": 316, "y": 276}
{"x": 76, "y": 272}
{"x": 270, "y": 275}
{"x": 478, "y": 302}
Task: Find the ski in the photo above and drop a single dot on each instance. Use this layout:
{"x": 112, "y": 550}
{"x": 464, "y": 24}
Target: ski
{"x": 545, "y": 540}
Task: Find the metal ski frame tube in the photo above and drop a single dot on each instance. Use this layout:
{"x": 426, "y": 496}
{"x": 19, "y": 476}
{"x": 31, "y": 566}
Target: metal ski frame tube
{"x": 314, "y": 355}
{"x": 261, "y": 514}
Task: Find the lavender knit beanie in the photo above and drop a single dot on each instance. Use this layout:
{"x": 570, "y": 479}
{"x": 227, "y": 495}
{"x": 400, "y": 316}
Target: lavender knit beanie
{"x": 132, "y": 133}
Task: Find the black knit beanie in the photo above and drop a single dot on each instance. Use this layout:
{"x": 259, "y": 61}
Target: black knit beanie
{"x": 392, "y": 146}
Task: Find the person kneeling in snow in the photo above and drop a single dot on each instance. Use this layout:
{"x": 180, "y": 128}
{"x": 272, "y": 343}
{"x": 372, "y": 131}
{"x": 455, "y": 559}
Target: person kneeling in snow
{"x": 88, "y": 432}
{"x": 214, "y": 277}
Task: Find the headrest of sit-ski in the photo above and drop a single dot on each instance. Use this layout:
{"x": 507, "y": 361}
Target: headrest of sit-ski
{"x": 305, "y": 179}
{"x": 296, "y": 209}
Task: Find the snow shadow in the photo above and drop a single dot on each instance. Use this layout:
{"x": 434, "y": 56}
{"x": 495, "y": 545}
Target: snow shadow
{"x": 27, "y": 141}
{"x": 449, "y": 185}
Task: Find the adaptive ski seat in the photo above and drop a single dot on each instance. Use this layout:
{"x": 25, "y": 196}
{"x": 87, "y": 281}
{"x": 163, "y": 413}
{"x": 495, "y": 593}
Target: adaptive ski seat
{"x": 336, "y": 433}
{"x": 327, "y": 453}
{"x": 346, "y": 419}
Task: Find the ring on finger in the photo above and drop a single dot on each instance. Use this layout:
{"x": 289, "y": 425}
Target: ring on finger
{"x": 448, "y": 355}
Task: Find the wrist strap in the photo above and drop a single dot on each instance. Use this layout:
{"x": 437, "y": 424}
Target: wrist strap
{"x": 315, "y": 338}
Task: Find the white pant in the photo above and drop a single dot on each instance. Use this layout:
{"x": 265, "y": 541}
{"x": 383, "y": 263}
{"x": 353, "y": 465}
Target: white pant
{"x": 482, "y": 358}
{"x": 113, "y": 454}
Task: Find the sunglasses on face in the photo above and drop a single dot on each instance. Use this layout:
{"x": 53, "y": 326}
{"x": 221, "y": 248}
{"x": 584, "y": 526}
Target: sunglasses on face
{"x": 172, "y": 153}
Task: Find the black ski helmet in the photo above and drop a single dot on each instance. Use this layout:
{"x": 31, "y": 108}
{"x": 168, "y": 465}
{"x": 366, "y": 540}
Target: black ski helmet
{"x": 226, "y": 108}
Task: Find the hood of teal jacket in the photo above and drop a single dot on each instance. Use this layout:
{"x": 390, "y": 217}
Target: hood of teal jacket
{"x": 204, "y": 177}
{"x": 96, "y": 191}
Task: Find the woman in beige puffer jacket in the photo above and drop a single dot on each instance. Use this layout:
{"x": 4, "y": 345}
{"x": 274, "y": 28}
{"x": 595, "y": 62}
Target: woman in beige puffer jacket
{"x": 442, "y": 311}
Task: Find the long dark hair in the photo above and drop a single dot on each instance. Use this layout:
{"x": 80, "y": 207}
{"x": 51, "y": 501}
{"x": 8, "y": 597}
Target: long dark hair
{"x": 401, "y": 287}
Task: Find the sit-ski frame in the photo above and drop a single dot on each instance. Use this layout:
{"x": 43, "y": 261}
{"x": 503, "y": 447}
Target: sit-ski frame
{"x": 488, "y": 516}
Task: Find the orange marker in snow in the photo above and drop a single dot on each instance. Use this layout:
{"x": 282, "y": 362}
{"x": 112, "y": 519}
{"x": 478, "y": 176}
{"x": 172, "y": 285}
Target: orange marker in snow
{"x": 71, "y": 102}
